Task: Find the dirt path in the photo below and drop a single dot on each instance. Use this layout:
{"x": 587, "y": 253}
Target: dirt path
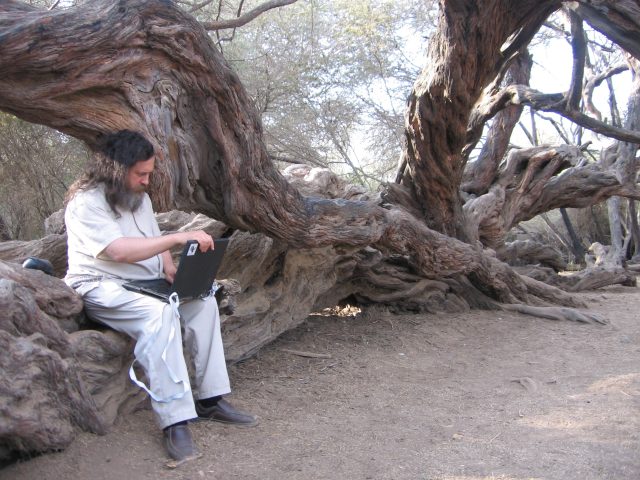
{"x": 482, "y": 395}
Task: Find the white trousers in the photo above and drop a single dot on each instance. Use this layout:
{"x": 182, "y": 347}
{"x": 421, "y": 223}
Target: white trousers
{"x": 159, "y": 347}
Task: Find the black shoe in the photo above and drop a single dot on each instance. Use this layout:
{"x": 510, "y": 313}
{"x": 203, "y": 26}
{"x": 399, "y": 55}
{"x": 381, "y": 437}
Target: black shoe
{"x": 224, "y": 412}
{"x": 179, "y": 444}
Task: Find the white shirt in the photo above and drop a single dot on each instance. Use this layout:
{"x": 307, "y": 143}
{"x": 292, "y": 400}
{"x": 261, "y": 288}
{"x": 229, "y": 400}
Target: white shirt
{"x": 92, "y": 226}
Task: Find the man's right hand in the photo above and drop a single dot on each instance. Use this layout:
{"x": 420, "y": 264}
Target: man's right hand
{"x": 205, "y": 241}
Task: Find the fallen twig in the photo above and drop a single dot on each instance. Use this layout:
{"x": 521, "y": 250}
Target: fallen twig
{"x": 305, "y": 354}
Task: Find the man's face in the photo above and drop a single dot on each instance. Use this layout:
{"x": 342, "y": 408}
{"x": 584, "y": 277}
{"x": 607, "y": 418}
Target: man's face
{"x": 137, "y": 178}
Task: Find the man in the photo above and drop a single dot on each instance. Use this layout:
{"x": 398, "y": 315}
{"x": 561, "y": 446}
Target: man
{"x": 113, "y": 237}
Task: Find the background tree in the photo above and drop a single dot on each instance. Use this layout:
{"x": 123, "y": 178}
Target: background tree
{"x": 37, "y": 165}
{"x": 604, "y": 64}
{"x": 330, "y": 79}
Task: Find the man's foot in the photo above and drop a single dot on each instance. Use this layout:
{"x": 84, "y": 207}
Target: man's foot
{"x": 224, "y": 412}
{"x": 179, "y": 444}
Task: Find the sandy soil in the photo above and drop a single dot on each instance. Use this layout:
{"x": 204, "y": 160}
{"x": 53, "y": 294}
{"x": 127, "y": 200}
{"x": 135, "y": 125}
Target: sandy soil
{"x": 481, "y": 395}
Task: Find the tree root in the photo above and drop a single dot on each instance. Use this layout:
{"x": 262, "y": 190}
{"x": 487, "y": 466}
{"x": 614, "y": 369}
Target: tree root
{"x": 557, "y": 313}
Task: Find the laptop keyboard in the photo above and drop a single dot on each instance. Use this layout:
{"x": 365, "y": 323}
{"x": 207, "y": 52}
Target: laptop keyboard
{"x": 159, "y": 285}
{"x": 164, "y": 287}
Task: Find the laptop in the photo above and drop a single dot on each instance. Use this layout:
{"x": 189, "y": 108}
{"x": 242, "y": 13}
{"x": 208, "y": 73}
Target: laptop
{"x": 195, "y": 276}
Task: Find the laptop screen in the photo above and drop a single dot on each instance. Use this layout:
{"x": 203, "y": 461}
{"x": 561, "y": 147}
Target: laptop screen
{"x": 197, "y": 270}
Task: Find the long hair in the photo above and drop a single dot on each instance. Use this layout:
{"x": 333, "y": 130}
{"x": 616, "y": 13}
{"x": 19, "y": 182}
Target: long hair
{"x": 115, "y": 153}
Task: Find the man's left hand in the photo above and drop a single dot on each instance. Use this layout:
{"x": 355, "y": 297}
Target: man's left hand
{"x": 170, "y": 271}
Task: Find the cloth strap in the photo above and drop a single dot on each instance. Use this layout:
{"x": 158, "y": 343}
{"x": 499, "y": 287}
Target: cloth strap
{"x": 174, "y": 302}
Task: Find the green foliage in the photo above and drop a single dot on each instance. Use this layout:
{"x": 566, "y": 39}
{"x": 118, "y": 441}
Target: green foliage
{"x": 37, "y": 165}
{"x": 330, "y": 78}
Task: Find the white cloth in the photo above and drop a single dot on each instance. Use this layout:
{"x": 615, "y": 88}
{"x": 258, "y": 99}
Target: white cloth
{"x": 91, "y": 227}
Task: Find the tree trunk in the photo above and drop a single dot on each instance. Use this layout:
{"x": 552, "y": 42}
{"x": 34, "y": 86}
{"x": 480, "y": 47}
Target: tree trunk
{"x": 464, "y": 58}
{"x": 576, "y": 244}
{"x": 619, "y": 20}
{"x": 4, "y": 230}
{"x": 622, "y": 157}
{"x": 616, "y": 252}
{"x": 634, "y": 228}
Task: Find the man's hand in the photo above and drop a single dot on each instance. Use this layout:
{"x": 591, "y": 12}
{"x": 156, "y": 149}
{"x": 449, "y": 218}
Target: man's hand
{"x": 205, "y": 241}
{"x": 170, "y": 272}
{"x": 169, "y": 268}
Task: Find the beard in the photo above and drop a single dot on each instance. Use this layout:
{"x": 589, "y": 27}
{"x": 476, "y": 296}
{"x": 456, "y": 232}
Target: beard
{"x": 129, "y": 200}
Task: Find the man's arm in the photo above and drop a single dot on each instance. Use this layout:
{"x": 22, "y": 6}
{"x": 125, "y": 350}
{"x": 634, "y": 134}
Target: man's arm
{"x": 134, "y": 249}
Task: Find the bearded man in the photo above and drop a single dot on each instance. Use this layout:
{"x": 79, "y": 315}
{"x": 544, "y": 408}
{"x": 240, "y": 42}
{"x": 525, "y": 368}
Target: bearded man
{"x": 113, "y": 237}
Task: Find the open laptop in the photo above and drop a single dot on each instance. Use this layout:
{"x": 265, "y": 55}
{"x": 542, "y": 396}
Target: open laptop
{"x": 195, "y": 276}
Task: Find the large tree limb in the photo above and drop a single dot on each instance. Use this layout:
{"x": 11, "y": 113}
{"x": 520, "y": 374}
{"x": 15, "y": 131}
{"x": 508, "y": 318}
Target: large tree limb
{"x": 618, "y": 20}
{"x": 536, "y": 180}
{"x": 549, "y": 102}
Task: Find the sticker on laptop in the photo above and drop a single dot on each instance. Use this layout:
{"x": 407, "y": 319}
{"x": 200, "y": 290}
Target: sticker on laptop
{"x": 192, "y": 249}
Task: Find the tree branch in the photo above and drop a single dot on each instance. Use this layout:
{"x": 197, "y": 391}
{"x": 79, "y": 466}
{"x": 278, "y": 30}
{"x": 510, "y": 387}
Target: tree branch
{"x": 578, "y": 47}
{"x": 594, "y": 82}
{"x": 479, "y": 174}
{"x": 247, "y": 17}
{"x": 554, "y": 102}
{"x": 200, "y": 6}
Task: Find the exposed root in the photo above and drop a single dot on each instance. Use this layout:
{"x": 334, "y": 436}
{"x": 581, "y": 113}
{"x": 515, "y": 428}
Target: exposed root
{"x": 598, "y": 277}
{"x": 557, "y": 313}
{"x": 551, "y": 294}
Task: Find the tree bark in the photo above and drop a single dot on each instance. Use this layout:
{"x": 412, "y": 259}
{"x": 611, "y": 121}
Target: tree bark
{"x": 634, "y": 228}
{"x": 44, "y": 398}
{"x": 621, "y": 157}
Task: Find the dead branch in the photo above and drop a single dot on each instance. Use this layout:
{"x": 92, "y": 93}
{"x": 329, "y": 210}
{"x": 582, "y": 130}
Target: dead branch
{"x": 594, "y": 82}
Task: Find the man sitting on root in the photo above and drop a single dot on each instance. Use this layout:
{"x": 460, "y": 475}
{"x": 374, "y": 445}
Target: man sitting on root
{"x": 113, "y": 237}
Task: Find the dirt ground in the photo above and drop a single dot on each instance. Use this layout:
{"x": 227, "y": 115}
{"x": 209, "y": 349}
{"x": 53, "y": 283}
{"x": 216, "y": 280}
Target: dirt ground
{"x": 480, "y": 395}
